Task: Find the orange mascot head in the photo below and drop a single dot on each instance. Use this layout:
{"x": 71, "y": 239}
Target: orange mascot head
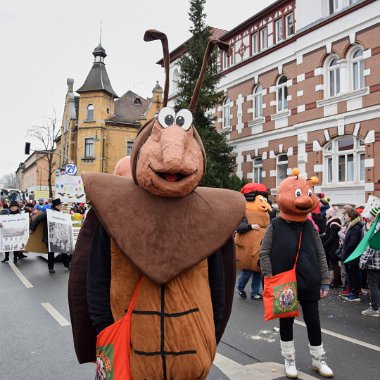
{"x": 296, "y": 197}
{"x": 256, "y": 195}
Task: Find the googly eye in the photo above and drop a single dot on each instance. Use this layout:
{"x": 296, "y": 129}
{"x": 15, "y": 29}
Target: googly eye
{"x": 310, "y": 193}
{"x": 298, "y": 193}
{"x": 166, "y": 117}
{"x": 184, "y": 119}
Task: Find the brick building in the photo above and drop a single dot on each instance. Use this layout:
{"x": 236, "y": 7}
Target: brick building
{"x": 302, "y": 89}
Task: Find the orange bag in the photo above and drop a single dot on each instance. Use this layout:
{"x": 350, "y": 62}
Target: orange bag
{"x": 280, "y": 293}
{"x": 113, "y": 347}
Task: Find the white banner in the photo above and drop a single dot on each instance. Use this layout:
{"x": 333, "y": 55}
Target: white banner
{"x": 69, "y": 188}
{"x": 60, "y": 232}
{"x": 14, "y": 232}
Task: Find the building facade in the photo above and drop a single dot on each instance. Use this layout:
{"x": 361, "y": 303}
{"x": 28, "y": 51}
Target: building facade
{"x": 302, "y": 89}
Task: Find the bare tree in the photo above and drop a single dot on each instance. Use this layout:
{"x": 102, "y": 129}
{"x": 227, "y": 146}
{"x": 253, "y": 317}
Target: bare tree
{"x": 47, "y": 135}
{"x": 9, "y": 180}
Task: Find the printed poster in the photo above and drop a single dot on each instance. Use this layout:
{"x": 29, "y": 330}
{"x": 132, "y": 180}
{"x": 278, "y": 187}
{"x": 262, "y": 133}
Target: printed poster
{"x": 14, "y": 232}
{"x": 60, "y": 232}
{"x": 69, "y": 188}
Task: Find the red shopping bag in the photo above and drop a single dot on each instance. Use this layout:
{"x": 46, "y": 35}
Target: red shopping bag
{"x": 113, "y": 347}
{"x": 280, "y": 293}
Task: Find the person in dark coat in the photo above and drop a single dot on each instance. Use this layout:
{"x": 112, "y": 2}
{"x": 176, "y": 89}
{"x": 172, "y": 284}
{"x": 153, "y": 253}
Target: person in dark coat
{"x": 330, "y": 240}
{"x": 42, "y": 218}
{"x": 351, "y": 241}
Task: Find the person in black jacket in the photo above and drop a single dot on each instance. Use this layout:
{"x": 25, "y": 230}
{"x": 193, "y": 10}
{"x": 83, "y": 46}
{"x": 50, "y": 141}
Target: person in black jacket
{"x": 351, "y": 241}
{"x": 330, "y": 240}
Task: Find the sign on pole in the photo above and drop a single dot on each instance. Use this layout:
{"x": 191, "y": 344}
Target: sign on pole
{"x": 14, "y": 232}
{"x": 71, "y": 169}
{"x": 60, "y": 232}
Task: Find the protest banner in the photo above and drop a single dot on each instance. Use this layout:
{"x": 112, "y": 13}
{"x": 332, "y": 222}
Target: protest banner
{"x": 69, "y": 188}
{"x": 41, "y": 194}
{"x": 60, "y": 232}
{"x": 14, "y": 232}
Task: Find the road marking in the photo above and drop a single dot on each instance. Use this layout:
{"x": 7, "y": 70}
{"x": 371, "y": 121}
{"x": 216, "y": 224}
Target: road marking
{"x": 22, "y": 278}
{"x": 344, "y": 337}
{"x": 55, "y": 314}
{"x": 262, "y": 371}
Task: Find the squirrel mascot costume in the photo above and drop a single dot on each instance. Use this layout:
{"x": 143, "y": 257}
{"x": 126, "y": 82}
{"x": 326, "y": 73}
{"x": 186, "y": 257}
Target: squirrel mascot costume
{"x": 249, "y": 235}
{"x": 287, "y": 234}
{"x": 152, "y": 280}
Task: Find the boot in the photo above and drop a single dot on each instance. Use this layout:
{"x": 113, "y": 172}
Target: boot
{"x": 6, "y": 257}
{"x": 289, "y": 353}
{"x": 14, "y": 258}
{"x": 319, "y": 361}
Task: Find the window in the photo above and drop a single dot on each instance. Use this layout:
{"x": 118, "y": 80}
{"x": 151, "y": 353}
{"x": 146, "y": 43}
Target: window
{"x": 282, "y": 167}
{"x": 137, "y": 102}
{"x": 289, "y": 24}
{"x": 89, "y": 148}
{"x": 263, "y": 38}
{"x": 357, "y": 70}
{"x": 333, "y": 6}
{"x": 344, "y": 161}
{"x": 255, "y": 43}
{"x": 258, "y": 102}
{"x": 333, "y": 77}
{"x": 225, "y": 60}
{"x": 226, "y": 113}
{"x": 129, "y": 147}
{"x": 279, "y": 25}
{"x": 90, "y": 112}
{"x": 282, "y": 94}
{"x": 258, "y": 170}
{"x": 351, "y": 2}
{"x": 232, "y": 56}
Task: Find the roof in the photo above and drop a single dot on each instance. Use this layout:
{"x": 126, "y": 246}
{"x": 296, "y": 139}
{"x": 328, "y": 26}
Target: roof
{"x": 216, "y": 33}
{"x": 129, "y": 108}
{"x": 97, "y": 79}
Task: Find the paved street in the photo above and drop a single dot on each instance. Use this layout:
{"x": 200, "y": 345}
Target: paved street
{"x": 36, "y": 336}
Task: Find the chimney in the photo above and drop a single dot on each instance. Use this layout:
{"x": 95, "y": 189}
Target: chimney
{"x": 70, "y": 85}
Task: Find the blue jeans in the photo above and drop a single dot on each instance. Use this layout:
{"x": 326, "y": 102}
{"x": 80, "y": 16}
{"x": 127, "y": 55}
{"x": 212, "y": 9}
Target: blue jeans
{"x": 256, "y": 281}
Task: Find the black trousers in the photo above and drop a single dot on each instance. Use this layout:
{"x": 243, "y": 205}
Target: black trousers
{"x": 64, "y": 257}
{"x": 311, "y": 317}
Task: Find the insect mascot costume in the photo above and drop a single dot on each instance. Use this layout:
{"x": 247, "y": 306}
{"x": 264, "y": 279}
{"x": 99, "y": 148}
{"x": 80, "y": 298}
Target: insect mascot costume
{"x": 292, "y": 243}
{"x": 152, "y": 281}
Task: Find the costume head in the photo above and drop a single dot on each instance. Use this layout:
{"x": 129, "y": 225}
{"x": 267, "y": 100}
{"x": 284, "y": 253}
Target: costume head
{"x": 168, "y": 158}
{"x": 296, "y": 197}
{"x": 123, "y": 167}
{"x": 256, "y": 195}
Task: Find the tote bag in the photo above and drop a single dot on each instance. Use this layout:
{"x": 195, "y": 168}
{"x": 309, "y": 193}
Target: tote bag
{"x": 113, "y": 347}
{"x": 280, "y": 293}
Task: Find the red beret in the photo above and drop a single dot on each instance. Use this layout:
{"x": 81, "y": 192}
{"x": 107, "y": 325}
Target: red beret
{"x": 249, "y": 187}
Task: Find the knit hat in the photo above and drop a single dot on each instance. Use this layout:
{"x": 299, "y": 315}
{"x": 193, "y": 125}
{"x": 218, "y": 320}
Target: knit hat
{"x": 331, "y": 212}
{"x": 375, "y": 211}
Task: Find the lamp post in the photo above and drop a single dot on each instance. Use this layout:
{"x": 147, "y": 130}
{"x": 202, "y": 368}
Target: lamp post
{"x": 96, "y": 139}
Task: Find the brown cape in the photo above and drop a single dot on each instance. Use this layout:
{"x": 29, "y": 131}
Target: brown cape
{"x": 163, "y": 237}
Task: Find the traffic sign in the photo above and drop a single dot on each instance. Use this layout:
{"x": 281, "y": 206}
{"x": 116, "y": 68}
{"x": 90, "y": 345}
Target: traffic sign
{"x": 71, "y": 169}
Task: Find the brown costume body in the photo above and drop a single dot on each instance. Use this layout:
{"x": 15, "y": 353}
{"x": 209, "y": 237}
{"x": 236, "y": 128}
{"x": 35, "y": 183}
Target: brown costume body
{"x": 248, "y": 244}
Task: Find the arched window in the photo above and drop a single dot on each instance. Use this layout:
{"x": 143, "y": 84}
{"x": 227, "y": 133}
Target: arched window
{"x": 282, "y": 167}
{"x": 258, "y": 102}
{"x": 226, "y": 113}
{"x": 90, "y": 112}
{"x": 357, "y": 69}
{"x": 175, "y": 79}
{"x": 257, "y": 170}
{"x": 282, "y": 93}
{"x": 344, "y": 161}
{"x": 333, "y": 72}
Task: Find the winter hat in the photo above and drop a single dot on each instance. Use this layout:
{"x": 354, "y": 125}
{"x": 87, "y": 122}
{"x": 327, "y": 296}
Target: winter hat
{"x": 375, "y": 211}
{"x": 331, "y": 212}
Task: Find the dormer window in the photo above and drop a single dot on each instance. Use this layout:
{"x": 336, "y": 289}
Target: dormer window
{"x": 137, "y": 102}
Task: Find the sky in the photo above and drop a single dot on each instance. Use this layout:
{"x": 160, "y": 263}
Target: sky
{"x": 44, "y": 42}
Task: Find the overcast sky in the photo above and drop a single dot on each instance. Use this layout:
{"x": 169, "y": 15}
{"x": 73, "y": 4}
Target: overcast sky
{"x": 44, "y": 42}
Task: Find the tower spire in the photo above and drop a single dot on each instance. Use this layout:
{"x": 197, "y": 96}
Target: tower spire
{"x": 101, "y": 30}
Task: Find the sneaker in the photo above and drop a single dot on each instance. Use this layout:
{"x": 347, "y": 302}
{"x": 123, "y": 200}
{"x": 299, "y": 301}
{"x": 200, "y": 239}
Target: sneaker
{"x": 345, "y": 292}
{"x": 353, "y": 298}
{"x": 257, "y": 297}
{"x": 242, "y": 294}
{"x": 371, "y": 313}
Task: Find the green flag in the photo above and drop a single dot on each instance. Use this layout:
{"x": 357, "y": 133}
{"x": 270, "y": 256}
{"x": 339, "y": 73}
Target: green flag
{"x": 363, "y": 245}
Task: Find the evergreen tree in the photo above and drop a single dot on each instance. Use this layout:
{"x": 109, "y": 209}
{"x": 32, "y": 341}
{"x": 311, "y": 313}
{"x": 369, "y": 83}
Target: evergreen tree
{"x": 220, "y": 162}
